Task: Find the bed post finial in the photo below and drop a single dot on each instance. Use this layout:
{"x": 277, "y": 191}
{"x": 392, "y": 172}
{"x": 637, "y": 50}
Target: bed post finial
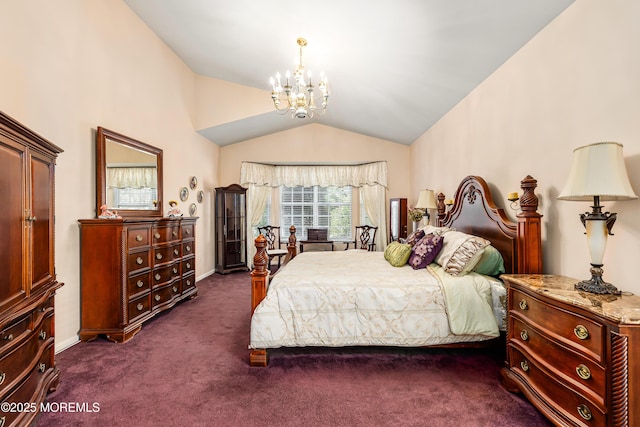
{"x": 260, "y": 272}
{"x": 441, "y": 208}
{"x": 529, "y": 229}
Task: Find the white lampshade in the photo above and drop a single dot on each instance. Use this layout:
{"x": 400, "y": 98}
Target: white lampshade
{"x": 598, "y": 170}
{"x": 427, "y": 200}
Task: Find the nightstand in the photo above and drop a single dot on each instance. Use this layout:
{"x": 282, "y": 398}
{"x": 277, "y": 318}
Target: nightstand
{"x": 573, "y": 354}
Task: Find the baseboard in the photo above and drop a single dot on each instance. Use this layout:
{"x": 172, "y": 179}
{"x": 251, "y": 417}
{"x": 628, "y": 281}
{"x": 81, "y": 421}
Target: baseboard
{"x": 70, "y": 342}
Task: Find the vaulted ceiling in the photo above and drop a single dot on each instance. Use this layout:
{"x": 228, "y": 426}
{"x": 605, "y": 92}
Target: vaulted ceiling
{"x": 394, "y": 67}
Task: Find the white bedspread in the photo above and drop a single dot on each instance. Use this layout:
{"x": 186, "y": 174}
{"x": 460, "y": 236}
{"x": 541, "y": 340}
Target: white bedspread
{"x": 349, "y": 298}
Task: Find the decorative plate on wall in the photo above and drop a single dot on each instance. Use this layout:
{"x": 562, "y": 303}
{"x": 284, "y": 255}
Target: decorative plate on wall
{"x": 200, "y": 196}
{"x": 184, "y": 194}
{"x": 193, "y": 209}
{"x": 193, "y": 183}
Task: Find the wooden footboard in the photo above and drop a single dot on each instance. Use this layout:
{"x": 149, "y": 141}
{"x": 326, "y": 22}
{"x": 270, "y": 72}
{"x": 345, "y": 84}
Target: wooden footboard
{"x": 260, "y": 283}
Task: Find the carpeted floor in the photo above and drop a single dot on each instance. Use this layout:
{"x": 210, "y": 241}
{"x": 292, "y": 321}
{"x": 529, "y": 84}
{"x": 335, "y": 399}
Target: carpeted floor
{"x": 189, "y": 367}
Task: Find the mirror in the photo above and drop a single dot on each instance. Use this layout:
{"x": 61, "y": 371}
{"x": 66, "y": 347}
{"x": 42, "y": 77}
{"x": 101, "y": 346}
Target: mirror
{"x": 129, "y": 175}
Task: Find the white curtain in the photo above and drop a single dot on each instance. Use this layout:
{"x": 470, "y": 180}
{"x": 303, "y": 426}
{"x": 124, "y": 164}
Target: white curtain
{"x": 370, "y": 178}
{"x": 132, "y": 177}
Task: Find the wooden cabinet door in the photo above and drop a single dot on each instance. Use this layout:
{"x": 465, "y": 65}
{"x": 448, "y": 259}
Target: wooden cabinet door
{"x": 41, "y": 220}
{"x": 13, "y": 230}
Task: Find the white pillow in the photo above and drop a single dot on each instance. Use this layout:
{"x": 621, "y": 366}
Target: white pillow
{"x": 460, "y": 252}
{"x": 438, "y": 231}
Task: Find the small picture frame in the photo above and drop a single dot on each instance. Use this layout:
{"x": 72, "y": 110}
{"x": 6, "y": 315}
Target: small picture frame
{"x": 193, "y": 183}
{"x": 193, "y": 208}
{"x": 184, "y": 194}
{"x": 200, "y": 197}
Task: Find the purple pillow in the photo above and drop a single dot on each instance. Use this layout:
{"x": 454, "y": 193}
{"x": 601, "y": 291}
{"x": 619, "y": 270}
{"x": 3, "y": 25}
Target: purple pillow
{"x": 425, "y": 251}
{"x": 415, "y": 237}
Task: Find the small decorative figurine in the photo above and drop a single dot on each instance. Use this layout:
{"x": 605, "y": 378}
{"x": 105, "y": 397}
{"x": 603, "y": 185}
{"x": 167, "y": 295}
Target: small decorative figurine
{"x": 105, "y": 213}
{"x": 174, "y": 212}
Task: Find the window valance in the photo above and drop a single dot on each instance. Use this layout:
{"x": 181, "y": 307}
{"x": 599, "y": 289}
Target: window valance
{"x": 310, "y": 175}
{"x": 133, "y": 177}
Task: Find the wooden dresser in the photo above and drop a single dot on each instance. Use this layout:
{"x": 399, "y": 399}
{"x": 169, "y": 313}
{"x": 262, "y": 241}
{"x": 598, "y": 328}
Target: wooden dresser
{"x": 575, "y": 355}
{"x": 28, "y": 278}
{"x": 132, "y": 269}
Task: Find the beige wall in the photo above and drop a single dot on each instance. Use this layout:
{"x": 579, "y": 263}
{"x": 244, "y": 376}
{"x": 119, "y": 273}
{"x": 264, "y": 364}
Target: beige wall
{"x": 69, "y": 66}
{"x": 574, "y": 84}
{"x": 317, "y": 143}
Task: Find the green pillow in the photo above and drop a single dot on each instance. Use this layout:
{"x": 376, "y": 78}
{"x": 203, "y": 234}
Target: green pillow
{"x": 490, "y": 263}
{"x": 397, "y": 253}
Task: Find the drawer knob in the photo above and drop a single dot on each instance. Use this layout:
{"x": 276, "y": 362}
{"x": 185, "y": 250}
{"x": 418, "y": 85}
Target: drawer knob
{"x": 584, "y": 412}
{"x": 175, "y": 289}
{"x": 158, "y": 256}
{"x": 188, "y": 231}
{"x": 524, "y": 365}
{"x": 176, "y": 252}
{"x": 9, "y": 337}
{"x": 581, "y": 332}
{"x": 43, "y": 335}
{"x": 140, "y": 306}
{"x": 188, "y": 265}
{"x": 157, "y": 235}
{"x": 158, "y": 276}
{"x": 139, "y": 237}
{"x": 188, "y": 282}
{"x": 139, "y": 261}
{"x": 140, "y": 283}
{"x": 175, "y": 233}
{"x": 42, "y": 367}
{"x": 583, "y": 371}
{"x": 523, "y": 305}
{"x": 175, "y": 270}
{"x": 2, "y": 377}
{"x": 188, "y": 248}
{"x": 158, "y": 297}
{"x": 524, "y": 335}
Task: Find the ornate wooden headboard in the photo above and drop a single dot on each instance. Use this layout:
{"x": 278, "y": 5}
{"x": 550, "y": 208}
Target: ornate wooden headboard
{"x": 475, "y": 212}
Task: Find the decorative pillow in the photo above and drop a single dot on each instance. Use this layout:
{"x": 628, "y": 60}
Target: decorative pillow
{"x": 425, "y": 251}
{"x": 397, "y": 253}
{"x": 460, "y": 252}
{"x": 490, "y": 262}
{"x": 415, "y": 237}
{"x": 438, "y": 231}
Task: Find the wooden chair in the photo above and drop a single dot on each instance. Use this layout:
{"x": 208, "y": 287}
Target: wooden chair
{"x": 365, "y": 238}
{"x": 274, "y": 247}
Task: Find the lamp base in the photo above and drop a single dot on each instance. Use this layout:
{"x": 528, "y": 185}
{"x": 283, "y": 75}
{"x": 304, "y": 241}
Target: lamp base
{"x": 596, "y": 285}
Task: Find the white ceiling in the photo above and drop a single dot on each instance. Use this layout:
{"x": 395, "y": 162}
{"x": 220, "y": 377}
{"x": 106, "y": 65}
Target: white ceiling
{"x": 394, "y": 67}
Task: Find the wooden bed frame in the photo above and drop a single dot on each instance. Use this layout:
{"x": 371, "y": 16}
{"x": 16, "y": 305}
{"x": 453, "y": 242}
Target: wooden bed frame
{"x": 473, "y": 212}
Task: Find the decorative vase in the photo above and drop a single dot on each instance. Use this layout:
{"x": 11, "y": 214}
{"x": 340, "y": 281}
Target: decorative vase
{"x": 416, "y": 225}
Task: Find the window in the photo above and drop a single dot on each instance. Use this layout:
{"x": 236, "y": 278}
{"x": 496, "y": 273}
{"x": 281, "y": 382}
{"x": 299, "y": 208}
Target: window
{"x": 264, "y": 220}
{"x": 134, "y": 198}
{"x": 317, "y": 207}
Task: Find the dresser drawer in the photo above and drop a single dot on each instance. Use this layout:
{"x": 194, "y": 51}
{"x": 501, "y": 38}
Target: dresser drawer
{"x": 138, "y": 261}
{"x": 165, "y": 294}
{"x": 139, "y": 307}
{"x": 165, "y": 234}
{"x": 574, "y": 368}
{"x": 188, "y": 248}
{"x": 137, "y": 237}
{"x": 15, "y": 363}
{"x": 577, "y": 332}
{"x": 13, "y": 333}
{"x": 138, "y": 284}
{"x": 163, "y": 255}
{"x": 188, "y": 282}
{"x": 571, "y": 404}
{"x": 27, "y": 391}
{"x": 165, "y": 274}
{"x": 187, "y": 231}
{"x": 188, "y": 265}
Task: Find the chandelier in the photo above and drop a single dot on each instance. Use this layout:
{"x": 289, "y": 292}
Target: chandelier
{"x": 297, "y": 96}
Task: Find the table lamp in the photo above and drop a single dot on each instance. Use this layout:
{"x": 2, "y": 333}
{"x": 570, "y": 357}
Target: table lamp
{"x": 598, "y": 173}
{"x": 426, "y": 201}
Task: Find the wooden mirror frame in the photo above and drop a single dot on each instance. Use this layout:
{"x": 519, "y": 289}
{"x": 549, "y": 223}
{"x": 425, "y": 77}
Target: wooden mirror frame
{"x": 101, "y": 172}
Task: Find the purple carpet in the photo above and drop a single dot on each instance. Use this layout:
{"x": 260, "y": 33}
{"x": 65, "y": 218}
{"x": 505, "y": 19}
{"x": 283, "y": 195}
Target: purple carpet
{"x": 189, "y": 367}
